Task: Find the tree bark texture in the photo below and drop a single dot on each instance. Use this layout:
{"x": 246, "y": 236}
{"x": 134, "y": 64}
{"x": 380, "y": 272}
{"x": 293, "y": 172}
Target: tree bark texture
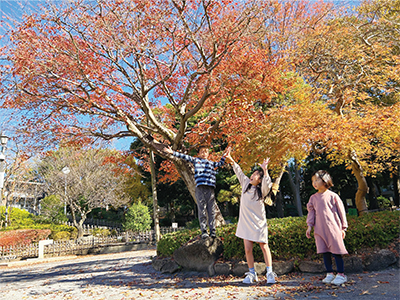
{"x": 279, "y": 205}
{"x": 396, "y": 186}
{"x": 362, "y": 190}
{"x": 155, "y": 198}
{"x": 372, "y": 195}
{"x": 295, "y": 185}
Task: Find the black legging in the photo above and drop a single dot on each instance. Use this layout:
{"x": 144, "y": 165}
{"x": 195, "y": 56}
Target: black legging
{"x": 328, "y": 262}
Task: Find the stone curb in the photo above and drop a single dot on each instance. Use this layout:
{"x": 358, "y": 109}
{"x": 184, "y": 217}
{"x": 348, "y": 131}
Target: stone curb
{"x": 380, "y": 260}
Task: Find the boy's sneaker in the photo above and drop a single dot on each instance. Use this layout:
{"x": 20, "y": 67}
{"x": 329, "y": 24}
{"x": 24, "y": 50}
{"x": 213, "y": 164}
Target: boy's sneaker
{"x": 339, "y": 279}
{"x": 204, "y": 235}
{"x": 271, "y": 277}
{"x": 329, "y": 278}
{"x": 250, "y": 278}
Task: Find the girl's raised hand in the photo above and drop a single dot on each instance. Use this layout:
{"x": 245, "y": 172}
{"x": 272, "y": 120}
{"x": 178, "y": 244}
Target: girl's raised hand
{"x": 265, "y": 163}
{"x": 228, "y": 157}
{"x": 227, "y": 151}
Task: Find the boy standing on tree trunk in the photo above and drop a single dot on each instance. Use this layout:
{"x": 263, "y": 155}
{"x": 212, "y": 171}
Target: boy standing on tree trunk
{"x": 204, "y": 175}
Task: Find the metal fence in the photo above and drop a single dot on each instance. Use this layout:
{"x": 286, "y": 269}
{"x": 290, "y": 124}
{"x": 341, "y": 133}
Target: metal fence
{"x": 80, "y": 246}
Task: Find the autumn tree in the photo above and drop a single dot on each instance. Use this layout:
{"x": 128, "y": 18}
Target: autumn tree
{"x": 93, "y": 181}
{"x": 352, "y": 61}
{"x": 87, "y": 70}
{"x": 329, "y": 51}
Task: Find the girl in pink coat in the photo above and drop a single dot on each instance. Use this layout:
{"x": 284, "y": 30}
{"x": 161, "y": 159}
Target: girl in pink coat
{"x": 327, "y": 215}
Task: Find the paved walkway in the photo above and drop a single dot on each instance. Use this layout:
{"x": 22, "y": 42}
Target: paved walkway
{"x": 129, "y": 275}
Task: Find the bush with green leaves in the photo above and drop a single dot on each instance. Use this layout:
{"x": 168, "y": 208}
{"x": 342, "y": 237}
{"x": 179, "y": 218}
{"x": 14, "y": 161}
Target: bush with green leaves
{"x": 384, "y": 202}
{"x": 51, "y": 211}
{"x": 59, "y": 231}
{"x": 172, "y": 241}
{"x": 101, "y": 232}
{"x": 61, "y": 236}
{"x": 287, "y": 237}
{"x": 193, "y": 224}
{"x": 137, "y": 218}
{"x": 21, "y": 219}
{"x": 17, "y": 218}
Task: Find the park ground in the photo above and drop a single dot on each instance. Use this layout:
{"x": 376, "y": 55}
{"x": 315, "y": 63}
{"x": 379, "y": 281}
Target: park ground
{"x": 130, "y": 275}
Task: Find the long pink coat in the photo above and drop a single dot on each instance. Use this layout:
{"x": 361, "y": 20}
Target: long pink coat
{"x": 327, "y": 215}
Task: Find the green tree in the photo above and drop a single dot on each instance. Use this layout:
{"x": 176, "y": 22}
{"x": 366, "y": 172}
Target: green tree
{"x": 52, "y": 210}
{"x": 137, "y": 218}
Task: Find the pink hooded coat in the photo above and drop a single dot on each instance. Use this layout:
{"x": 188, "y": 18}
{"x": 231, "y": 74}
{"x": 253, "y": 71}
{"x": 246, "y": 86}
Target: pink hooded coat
{"x": 327, "y": 215}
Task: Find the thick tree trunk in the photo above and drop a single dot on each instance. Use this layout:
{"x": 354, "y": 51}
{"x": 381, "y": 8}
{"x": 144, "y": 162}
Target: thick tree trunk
{"x": 295, "y": 185}
{"x": 187, "y": 173}
{"x": 155, "y": 198}
{"x": 396, "y": 186}
{"x": 279, "y": 205}
{"x": 362, "y": 190}
{"x": 78, "y": 224}
{"x": 79, "y": 227}
{"x": 278, "y": 196}
{"x": 372, "y": 195}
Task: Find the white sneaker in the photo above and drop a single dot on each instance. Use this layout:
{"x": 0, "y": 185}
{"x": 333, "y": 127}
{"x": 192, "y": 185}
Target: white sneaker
{"x": 271, "y": 277}
{"x": 250, "y": 278}
{"x": 329, "y": 278}
{"x": 339, "y": 280}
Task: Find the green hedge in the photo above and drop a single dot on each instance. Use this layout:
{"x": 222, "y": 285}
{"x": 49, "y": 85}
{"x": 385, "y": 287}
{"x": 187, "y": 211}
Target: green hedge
{"x": 287, "y": 237}
{"x": 21, "y": 219}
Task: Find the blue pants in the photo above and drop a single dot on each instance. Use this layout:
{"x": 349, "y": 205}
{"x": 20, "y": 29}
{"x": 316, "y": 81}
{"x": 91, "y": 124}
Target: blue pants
{"x": 205, "y": 197}
{"x": 328, "y": 262}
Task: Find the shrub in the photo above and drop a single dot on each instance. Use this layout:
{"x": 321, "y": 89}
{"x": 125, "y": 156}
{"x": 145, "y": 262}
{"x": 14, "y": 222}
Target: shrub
{"x": 61, "y": 236}
{"x": 18, "y": 218}
{"x": 193, "y": 224}
{"x": 22, "y": 236}
{"x": 384, "y": 202}
{"x": 57, "y": 229}
{"x": 137, "y": 218}
{"x": 287, "y": 237}
{"x": 21, "y": 219}
{"x": 101, "y": 232}
{"x": 172, "y": 241}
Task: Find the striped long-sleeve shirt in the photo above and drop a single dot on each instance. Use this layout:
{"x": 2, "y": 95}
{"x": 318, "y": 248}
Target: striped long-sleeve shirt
{"x": 204, "y": 170}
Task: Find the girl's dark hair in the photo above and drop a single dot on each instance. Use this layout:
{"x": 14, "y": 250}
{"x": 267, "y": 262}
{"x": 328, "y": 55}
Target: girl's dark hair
{"x": 258, "y": 187}
{"x": 324, "y": 176}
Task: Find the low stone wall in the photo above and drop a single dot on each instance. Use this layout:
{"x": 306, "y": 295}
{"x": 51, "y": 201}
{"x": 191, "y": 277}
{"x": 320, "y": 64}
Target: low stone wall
{"x": 379, "y": 260}
{"x": 116, "y": 248}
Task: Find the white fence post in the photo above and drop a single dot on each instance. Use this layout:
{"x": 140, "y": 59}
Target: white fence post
{"x": 41, "y": 247}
